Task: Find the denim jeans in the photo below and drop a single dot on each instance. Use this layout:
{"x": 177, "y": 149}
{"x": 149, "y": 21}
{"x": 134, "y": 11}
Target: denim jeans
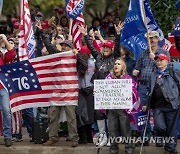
{"x": 166, "y": 125}
{"x": 28, "y": 117}
{"x": 5, "y": 106}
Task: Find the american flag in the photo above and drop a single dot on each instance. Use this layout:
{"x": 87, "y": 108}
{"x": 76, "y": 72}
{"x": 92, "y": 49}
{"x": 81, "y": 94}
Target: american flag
{"x": 27, "y": 45}
{"x": 44, "y": 81}
{"x": 77, "y": 36}
{"x": 27, "y": 41}
{"x": 167, "y": 46}
{"x": 16, "y": 122}
{"x": 74, "y": 11}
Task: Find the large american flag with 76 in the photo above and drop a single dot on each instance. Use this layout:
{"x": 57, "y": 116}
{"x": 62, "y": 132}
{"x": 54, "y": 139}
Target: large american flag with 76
{"x": 45, "y": 81}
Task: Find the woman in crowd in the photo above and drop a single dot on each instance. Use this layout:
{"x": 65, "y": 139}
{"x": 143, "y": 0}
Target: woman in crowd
{"x": 118, "y": 119}
{"x": 130, "y": 62}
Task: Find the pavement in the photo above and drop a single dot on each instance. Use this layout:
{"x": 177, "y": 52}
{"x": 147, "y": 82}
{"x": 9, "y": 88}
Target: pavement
{"x": 64, "y": 147}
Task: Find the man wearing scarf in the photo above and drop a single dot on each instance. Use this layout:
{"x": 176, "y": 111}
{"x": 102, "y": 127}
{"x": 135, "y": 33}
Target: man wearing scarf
{"x": 164, "y": 98}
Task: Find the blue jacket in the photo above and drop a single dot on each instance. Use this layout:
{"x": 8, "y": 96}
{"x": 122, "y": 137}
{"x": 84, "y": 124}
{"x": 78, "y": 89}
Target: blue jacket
{"x": 170, "y": 87}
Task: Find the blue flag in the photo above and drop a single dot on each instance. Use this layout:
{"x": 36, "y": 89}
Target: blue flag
{"x": 140, "y": 118}
{"x": 74, "y": 8}
{"x": 176, "y": 30}
{"x": 134, "y": 31}
{"x": 151, "y": 23}
{"x": 178, "y": 4}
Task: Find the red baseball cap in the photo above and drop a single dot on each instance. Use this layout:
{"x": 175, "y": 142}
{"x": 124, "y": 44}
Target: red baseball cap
{"x": 162, "y": 56}
{"x": 109, "y": 44}
{"x": 45, "y": 24}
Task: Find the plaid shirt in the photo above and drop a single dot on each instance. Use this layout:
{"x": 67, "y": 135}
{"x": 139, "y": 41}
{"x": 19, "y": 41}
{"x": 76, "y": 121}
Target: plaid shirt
{"x": 146, "y": 65}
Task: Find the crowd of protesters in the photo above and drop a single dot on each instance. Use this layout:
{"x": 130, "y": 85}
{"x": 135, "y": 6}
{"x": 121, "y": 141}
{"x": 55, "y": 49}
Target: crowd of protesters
{"x": 99, "y": 58}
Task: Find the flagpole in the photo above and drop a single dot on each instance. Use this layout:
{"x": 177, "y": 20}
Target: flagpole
{"x": 145, "y": 23}
{"x": 1, "y": 5}
{"x": 70, "y": 29}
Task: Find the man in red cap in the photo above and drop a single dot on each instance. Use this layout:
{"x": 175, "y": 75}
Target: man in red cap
{"x": 164, "y": 98}
{"x": 109, "y": 52}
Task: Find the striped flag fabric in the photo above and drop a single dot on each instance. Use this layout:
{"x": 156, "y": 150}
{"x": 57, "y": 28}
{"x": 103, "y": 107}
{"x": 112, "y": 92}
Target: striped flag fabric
{"x": 16, "y": 122}
{"x": 44, "y": 81}
{"x": 76, "y": 35}
{"x": 27, "y": 41}
{"x": 26, "y": 49}
{"x": 167, "y": 46}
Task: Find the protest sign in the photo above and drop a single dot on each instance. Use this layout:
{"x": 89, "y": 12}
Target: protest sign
{"x": 113, "y": 94}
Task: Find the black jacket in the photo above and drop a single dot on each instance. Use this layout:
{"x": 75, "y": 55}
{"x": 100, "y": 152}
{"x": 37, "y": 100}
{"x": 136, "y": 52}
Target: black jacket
{"x": 103, "y": 64}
